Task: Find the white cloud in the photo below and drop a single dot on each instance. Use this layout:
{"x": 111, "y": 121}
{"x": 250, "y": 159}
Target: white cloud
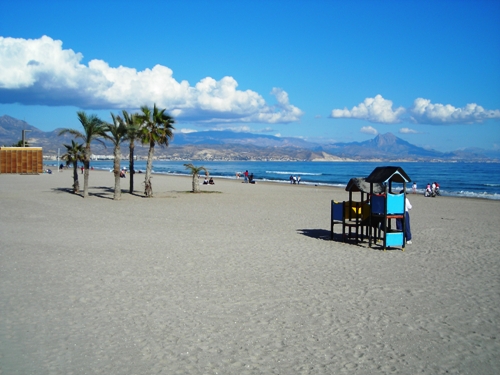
{"x": 40, "y": 71}
{"x": 375, "y": 109}
{"x": 379, "y": 110}
{"x": 424, "y": 112}
{"x": 407, "y": 131}
{"x": 186, "y": 131}
{"x": 369, "y": 130}
{"x": 237, "y": 129}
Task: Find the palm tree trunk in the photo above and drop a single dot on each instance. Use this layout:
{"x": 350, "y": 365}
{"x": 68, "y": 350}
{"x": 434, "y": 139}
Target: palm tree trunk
{"x": 131, "y": 166}
{"x": 116, "y": 170}
{"x": 86, "y": 165}
{"x": 76, "y": 185}
{"x": 149, "y": 165}
{"x": 196, "y": 186}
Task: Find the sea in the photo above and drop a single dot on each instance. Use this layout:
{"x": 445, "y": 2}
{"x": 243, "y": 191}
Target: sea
{"x": 467, "y": 180}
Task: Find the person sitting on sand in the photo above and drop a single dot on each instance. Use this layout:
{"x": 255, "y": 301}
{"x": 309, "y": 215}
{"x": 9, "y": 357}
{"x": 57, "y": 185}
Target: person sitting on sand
{"x": 211, "y": 181}
{"x": 428, "y": 191}
{"x": 205, "y": 181}
{"x": 437, "y": 188}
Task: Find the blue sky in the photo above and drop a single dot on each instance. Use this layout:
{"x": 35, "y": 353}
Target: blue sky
{"x": 426, "y": 71}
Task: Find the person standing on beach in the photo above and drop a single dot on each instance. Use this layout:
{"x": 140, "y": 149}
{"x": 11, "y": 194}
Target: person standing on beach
{"x": 298, "y": 180}
{"x": 414, "y": 187}
{"x": 246, "y": 175}
{"x": 399, "y": 222}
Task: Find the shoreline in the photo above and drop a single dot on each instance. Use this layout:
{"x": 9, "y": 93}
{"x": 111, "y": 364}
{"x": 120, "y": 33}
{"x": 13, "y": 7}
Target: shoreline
{"x": 487, "y": 197}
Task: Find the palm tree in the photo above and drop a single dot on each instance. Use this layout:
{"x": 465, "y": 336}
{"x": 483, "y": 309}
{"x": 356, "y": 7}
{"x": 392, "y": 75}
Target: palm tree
{"x": 133, "y": 128}
{"x": 93, "y": 130}
{"x": 156, "y": 128}
{"x": 74, "y": 154}
{"x": 117, "y": 133}
{"x": 20, "y": 144}
{"x": 196, "y": 172}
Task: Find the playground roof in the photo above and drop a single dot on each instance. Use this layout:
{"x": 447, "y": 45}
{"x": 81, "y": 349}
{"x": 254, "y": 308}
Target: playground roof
{"x": 384, "y": 174}
{"x": 356, "y": 184}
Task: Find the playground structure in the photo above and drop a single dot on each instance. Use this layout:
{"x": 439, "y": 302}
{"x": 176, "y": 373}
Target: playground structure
{"x": 354, "y": 215}
{"x": 373, "y": 216}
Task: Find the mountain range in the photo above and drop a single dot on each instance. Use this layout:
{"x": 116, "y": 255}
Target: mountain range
{"x": 229, "y": 145}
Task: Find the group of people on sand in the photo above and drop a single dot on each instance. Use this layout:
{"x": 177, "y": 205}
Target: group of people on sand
{"x": 248, "y": 177}
{"x": 294, "y": 179}
{"x": 431, "y": 190}
{"x": 206, "y": 181}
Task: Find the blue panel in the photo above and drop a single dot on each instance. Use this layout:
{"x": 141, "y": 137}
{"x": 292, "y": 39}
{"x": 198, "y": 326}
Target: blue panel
{"x": 394, "y": 239}
{"x": 395, "y": 204}
{"x": 338, "y": 211}
{"x": 378, "y": 204}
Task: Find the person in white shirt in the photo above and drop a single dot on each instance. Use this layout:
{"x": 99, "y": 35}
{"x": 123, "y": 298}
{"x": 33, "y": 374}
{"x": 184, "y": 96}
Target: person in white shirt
{"x": 399, "y": 222}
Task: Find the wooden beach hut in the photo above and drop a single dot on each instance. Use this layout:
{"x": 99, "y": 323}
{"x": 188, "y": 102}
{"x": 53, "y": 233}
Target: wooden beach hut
{"x": 21, "y": 160}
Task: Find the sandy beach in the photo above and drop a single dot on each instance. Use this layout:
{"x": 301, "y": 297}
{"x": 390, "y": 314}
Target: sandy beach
{"x": 242, "y": 280}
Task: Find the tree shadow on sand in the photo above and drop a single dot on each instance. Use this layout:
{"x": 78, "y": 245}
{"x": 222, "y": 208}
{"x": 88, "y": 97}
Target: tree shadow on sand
{"x": 95, "y": 191}
{"x": 64, "y": 190}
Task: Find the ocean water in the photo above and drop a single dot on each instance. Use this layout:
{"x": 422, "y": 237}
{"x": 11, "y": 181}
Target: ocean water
{"x": 478, "y": 180}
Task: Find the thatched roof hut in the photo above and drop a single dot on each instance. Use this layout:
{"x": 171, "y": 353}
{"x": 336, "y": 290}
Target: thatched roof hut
{"x": 360, "y": 184}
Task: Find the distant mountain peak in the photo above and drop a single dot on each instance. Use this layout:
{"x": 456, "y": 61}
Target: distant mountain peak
{"x": 386, "y": 139}
{"x": 231, "y": 145}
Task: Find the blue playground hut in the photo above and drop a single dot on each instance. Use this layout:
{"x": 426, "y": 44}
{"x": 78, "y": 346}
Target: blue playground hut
{"x": 389, "y": 206}
{"x": 378, "y": 206}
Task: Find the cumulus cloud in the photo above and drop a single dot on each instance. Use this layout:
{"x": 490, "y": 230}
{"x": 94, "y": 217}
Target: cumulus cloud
{"x": 424, "y": 112}
{"x": 375, "y": 109}
{"x": 40, "y": 71}
{"x": 407, "y": 131}
{"x": 369, "y": 130}
{"x": 379, "y": 110}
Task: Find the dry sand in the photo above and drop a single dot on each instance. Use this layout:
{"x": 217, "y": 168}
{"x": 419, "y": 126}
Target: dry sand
{"x": 244, "y": 281}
